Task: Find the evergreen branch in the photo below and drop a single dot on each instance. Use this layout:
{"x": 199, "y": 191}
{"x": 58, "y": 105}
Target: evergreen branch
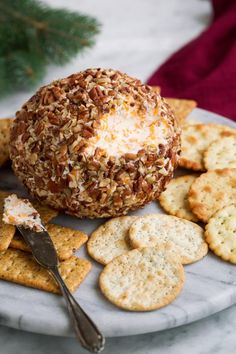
{"x": 33, "y": 35}
{"x": 42, "y": 26}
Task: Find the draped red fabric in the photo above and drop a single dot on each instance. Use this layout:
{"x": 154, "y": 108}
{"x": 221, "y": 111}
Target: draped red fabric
{"x": 205, "y": 69}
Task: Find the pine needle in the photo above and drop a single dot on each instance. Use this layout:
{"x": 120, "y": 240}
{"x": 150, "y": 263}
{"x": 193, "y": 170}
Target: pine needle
{"x": 33, "y": 35}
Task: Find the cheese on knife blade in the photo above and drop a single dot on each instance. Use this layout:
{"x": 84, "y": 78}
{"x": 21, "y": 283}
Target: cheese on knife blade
{"x": 20, "y": 212}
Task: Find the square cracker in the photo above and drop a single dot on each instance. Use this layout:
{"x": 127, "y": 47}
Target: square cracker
{"x": 181, "y": 108}
{"x": 5, "y": 126}
{"x": 66, "y": 240}
{"x": 6, "y": 231}
{"x": 20, "y": 267}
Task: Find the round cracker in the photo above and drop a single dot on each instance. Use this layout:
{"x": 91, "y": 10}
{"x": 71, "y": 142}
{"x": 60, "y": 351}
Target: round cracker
{"x": 212, "y": 191}
{"x": 221, "y": 233}
{"x": 195, "y": 140}
{"x": 144, "y": 279}
{"x": 187, "y": 237}
{"x": 110, "y": 239}
{"x": 174, "y": 200}
{"x": 221, "y": 154}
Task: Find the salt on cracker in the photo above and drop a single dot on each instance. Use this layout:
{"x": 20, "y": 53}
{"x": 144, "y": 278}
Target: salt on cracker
{"x": 65, "y": 240}
{"x": 144, "y": 279}
{"x": 174, "y": 200}
{"x": 221, "y": 154}
{"x": 187, "y": 237}
{"x": 181, "y": 108}
{"x": 20, "y": 267}
{"x": 110, "y": 239}
{"x": 5, "y": 126}
{"x": 6, "y": 231}
{"x": 195, "y": 140}
{"x": 212, "y": 191}
{"x": 221, "y": 233}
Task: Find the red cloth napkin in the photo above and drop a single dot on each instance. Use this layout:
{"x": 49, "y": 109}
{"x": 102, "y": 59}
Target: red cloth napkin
{"x": 205, "y": 69}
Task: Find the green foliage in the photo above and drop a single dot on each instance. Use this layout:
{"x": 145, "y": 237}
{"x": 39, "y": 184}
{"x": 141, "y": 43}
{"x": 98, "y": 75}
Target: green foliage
{"x": 33, "y": 35}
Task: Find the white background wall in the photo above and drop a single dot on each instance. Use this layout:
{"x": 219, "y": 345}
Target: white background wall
{"x": 136, "y": 36}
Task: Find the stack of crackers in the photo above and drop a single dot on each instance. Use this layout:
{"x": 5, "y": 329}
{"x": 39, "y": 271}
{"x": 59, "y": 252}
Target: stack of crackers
{"x": 17, "y": 264}
{"x": 144, "y": 256}
{"x": 208, "y": 194}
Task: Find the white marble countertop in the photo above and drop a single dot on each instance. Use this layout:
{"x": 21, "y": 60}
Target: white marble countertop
{"x": 213, "y": 335}
{"x": 136, "y": 37}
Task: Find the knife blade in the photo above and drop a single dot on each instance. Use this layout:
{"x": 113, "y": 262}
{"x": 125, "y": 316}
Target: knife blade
{"x": 45, "y": 254}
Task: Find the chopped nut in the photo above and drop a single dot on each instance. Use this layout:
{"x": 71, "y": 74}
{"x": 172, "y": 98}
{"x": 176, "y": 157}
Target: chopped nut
{"x": 52, "y": 131}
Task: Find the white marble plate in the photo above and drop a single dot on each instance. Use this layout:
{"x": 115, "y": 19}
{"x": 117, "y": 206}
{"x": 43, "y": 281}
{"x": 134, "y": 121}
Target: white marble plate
{"x": 210, "y": 287}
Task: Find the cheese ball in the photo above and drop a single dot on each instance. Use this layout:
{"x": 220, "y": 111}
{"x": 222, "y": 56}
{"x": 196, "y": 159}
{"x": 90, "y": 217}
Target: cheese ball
{"x": 98, "y": 143}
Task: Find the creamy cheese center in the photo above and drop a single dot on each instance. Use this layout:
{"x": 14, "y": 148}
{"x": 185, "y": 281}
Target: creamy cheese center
{"x": 20, "y": 212}
{"x": 128, "y": 133}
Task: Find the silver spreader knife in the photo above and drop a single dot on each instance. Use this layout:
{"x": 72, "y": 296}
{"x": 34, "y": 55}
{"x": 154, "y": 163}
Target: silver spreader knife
{"x": 45, "y": 254}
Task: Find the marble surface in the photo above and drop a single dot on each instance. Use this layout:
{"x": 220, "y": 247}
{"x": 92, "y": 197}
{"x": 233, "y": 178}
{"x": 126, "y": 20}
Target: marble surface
{"x": 136, "y": 37}
{"x": 213, "y": 335}
{"x": 210, "y": 286}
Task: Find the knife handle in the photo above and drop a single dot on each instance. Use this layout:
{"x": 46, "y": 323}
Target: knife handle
{"x": 87, "y": 332}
